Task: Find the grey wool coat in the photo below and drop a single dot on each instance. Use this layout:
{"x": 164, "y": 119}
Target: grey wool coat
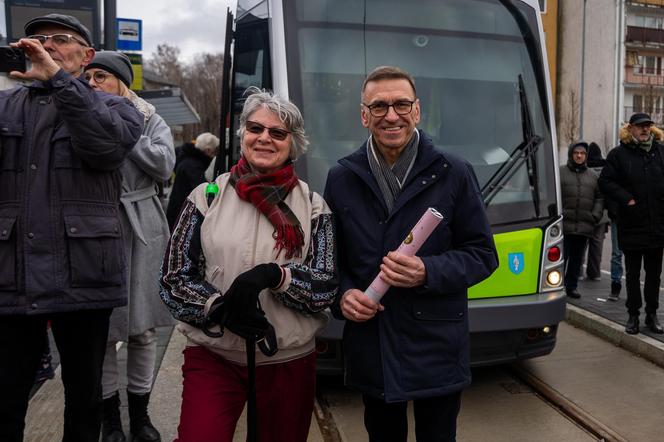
{"x": 145, "y": 226}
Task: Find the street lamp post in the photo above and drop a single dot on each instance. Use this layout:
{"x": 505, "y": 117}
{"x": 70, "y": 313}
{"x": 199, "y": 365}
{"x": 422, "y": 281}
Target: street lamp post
{"x": 583, "y": 69}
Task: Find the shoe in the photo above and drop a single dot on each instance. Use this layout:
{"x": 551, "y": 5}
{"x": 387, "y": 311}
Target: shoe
{"x": 573, "y": 293}
{"x": 632, "y": 326}
{"x": 653, "y": 323}
{"x": 615, "y": 291}
{"x": 594, "y": 278}
{"x": 140, "y": 426}
{"x": 111, "y": 424}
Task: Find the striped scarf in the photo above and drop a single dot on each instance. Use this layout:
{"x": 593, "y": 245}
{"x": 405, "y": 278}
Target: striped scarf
{"x": 267, "y": 193}
{"x": 391, "y": 179}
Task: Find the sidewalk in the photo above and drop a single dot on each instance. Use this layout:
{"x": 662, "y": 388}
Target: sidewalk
{"x": 44, "y": 419}
{"x": 606, "y": 319}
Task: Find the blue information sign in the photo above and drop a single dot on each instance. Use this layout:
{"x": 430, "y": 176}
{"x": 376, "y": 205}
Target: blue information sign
{"x": 130, "y": 34}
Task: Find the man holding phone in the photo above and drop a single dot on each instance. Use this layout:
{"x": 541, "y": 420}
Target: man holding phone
{"x": 61, "y": 254}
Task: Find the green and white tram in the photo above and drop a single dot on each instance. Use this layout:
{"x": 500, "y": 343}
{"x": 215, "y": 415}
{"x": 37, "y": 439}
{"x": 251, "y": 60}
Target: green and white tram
{"x": 482, "y": 79}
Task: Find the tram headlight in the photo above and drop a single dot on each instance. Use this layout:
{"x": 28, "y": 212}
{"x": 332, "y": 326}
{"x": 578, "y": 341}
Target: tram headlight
{"x": 553, "y": 278}
{"x": 554, "y": 231}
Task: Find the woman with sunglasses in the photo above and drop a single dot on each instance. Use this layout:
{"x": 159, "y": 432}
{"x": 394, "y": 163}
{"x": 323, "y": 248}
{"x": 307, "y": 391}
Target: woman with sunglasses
{"x": 146, "y": 233}
{"x": 253, "y": 256}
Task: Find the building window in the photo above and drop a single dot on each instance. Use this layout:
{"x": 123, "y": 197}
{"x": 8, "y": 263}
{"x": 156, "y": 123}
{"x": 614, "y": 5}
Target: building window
{"x": 648, "y": 65}
{"x": 637, "y": 103}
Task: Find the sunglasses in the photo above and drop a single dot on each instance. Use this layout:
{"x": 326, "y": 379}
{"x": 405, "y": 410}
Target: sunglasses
{"x": 274, "y": 132}
{"x": 57, "y": 39}
{"x": 98, "y": 76}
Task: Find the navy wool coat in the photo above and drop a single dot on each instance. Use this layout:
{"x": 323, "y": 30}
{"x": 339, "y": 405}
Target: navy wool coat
{"x": 419, "y": 346}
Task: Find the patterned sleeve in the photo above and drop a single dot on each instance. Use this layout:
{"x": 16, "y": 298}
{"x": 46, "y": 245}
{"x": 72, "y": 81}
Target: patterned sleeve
{"x": 314, "y": 283}
{"x": 183, "y": 286}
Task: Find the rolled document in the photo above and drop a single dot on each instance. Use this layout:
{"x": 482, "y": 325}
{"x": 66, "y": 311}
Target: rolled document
{"x": 409, "y": 247}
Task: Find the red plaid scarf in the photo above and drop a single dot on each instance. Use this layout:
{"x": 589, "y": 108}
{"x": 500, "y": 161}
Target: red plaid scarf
{"x": 267, "y": 193}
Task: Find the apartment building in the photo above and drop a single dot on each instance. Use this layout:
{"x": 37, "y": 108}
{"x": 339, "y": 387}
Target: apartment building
{"x": 644, "y": 59}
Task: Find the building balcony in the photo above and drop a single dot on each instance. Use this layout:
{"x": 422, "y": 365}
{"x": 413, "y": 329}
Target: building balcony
{"x": 656, "y": 114}
{"x": 645, "y": 36}
{"x": 643, "y": 76}
{"x": 659, "y": 3}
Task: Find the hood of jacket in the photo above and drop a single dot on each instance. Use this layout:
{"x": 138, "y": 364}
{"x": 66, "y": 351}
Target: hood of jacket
{"x": 570, "y": 161}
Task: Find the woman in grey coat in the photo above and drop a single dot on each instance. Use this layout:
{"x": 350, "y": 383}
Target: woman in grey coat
{"x": 146, "y": 233}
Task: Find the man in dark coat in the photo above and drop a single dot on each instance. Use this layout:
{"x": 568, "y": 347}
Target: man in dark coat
{"x": 192, "y": 161}
{"x": 582, "y": 210}
{"x": 633, "y": 178}
{"x": 415, "y": 344}
{"x": 61, "y": 250}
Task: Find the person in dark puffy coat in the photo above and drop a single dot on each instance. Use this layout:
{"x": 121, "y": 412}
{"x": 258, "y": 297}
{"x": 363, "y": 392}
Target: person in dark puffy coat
{"x": 633, "y": 178}
{"x": 191, "y": 163}
{"x": 582, "y": 210}
{"x": 596, "y": 242}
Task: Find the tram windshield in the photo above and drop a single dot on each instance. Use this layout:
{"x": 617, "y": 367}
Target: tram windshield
{"x": 468, "y": 58}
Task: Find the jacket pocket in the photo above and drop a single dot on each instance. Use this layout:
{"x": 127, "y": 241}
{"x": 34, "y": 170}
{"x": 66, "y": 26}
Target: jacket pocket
{"x": 63, "y": 153}
{"x": 11, "y": 140}
{"x": 96, "y": 255}
{"x": 7, "y": 254}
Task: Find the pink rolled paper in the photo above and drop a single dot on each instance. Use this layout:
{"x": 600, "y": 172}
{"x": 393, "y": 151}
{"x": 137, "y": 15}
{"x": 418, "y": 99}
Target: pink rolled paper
{"x": 409, "y": 247}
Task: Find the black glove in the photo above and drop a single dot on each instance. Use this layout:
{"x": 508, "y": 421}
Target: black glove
{"x": 253, "y": 325}
{"x": 261, "y": 277}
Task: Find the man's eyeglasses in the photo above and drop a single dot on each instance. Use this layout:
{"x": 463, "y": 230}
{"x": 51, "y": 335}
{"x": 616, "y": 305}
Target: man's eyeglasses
{"x": 98, "y": 76}
{"x": 274, "y": 132}
{"x": 58, "y": 39}
{"x": 380, "y": 109}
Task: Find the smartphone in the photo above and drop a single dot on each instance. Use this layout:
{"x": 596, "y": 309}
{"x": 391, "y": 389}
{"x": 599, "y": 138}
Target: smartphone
{"x": 12, "y": 59}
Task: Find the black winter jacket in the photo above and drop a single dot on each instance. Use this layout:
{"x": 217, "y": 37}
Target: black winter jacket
{"x": 419, "y": 346}
{"x": 189, "y": 173}
{"x": 583, "y": 204}
{"x": 633, "y": 173}
{"x": 61, "y": 148}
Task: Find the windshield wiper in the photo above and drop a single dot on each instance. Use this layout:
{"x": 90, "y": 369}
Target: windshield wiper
{"x": 523, "y": 153}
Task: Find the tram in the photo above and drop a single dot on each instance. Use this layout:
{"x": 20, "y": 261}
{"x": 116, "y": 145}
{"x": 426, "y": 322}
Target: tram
{"x": 482, "y": 80}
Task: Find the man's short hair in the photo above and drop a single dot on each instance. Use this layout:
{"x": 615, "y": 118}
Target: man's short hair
{"x": 389, "y": 73}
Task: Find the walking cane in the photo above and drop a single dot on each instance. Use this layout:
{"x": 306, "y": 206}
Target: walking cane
{"x": 252, "y": 419}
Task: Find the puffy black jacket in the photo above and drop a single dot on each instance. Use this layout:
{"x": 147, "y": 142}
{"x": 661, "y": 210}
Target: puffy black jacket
{"x": 583, "y": 204}
{"x": 61, "y": 148}
{"x": 632, "y": 173}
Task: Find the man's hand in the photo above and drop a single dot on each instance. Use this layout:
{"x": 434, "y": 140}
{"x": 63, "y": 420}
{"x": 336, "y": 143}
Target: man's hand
{"x": 631, "y": 202}
{"x": 43, "y": 67}
{"x": 356, "y": 306}
{"x": 403, "y": 271}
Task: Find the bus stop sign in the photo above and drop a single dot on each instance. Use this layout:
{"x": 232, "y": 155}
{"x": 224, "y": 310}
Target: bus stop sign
{"x": 130, "y": 33}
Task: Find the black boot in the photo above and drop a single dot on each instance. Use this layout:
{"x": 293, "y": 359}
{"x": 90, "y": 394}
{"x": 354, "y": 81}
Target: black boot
{"x": 632, "y": 326}
{"x": 653, "y": 323}
{"x": 111, "y": 426}
{"x": 615, "y": 291}
{"x": 140, "y": 426}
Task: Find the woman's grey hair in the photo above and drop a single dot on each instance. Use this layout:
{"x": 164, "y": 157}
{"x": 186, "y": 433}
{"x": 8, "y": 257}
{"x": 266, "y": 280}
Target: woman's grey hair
{"x": 207, "y": 141}
{"x": 287, "y": 112}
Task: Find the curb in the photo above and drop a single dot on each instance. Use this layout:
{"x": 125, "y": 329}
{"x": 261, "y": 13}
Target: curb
{"x": 640, "y": 344}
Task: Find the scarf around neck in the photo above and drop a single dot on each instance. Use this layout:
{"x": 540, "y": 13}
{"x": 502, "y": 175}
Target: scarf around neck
{"x": 267, "y": 193}
{"x": 391, "y": 179}
{"x": 645, "y": 145}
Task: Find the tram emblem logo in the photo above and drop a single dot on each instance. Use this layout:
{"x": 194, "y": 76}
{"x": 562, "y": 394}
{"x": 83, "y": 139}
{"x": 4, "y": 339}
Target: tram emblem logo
{"x": 515, "y": 262}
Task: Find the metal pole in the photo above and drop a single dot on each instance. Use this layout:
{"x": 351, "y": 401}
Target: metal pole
{"x": 110, "y": 14}
{"x": 583, "y": 69}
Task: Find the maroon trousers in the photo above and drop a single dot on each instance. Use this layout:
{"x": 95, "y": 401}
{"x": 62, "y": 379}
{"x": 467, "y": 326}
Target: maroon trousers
{"x": 215, "y": 392}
